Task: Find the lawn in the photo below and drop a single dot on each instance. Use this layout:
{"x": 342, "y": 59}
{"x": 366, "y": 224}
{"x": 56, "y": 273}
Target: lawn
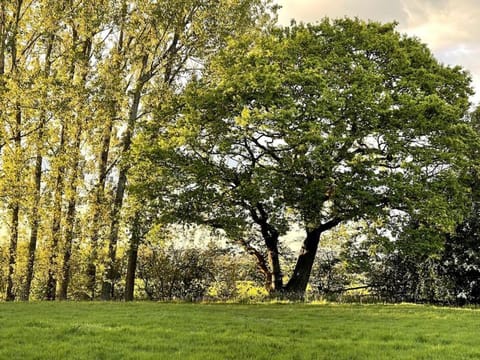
{"x": 71, "y": 330}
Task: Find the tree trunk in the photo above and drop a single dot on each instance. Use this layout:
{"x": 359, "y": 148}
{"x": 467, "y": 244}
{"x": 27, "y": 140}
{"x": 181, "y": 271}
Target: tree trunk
{"x": 32, "y": 245}
{"x": 56, "y": 225}
{"x": 75, "y": 154}
{"x": 3, "y": 37}
{"x": 274, "y": 262}
{"x": 135, "y": 241}
{"x": 67, "y": 254}
{"x": 15, "y": 206}
{"x": 99, "y": 198}
{"x": 98, "y": 203}
{"x": 131, "y": 269}
{"x": 35, "y": 222}
{"x": 270, "y": 236}
{"x": 15, "y": 202}
{"x": 109, "y": 275}
{"x": 70, "y": 217}
{"x": 297, "y": 285}
{"x": 12, "y": 252}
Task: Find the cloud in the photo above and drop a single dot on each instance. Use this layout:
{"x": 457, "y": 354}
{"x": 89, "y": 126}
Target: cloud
{"x": 449, "y": 27}
{"x": 314, "y": 10}
{"x": 442, "y": 23}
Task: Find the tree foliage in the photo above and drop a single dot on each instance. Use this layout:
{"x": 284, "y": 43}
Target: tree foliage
{"x": 75, "y": 79}
{"x": 119, "y": 118}
{"x": 315, "y": 125}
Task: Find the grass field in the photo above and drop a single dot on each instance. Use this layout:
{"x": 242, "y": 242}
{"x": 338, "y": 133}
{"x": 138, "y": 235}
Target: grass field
{"x": 276, "y": 331}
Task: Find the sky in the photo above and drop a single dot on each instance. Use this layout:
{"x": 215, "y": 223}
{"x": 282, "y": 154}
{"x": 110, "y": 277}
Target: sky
{"x": 450, "y": 28}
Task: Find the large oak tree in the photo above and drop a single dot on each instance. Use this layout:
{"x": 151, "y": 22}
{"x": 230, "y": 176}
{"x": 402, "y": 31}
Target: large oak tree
{"x": 313, "y": 125}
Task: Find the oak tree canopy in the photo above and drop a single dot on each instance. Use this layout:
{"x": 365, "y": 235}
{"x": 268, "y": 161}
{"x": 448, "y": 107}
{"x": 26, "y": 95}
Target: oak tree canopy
{"x": 313, "y": 125}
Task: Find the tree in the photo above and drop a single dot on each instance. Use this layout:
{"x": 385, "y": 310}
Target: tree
{"x": 458, "y": 264}
{"x": 16, "y": 41}
{"x": 37, "y": 176}
{"x": 313, "y": 125}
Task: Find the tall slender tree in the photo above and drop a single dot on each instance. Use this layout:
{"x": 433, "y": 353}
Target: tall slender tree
{"x": 80, "y": 119}
{"x": 17, "y": 39}
{"x": 37, "y": 172}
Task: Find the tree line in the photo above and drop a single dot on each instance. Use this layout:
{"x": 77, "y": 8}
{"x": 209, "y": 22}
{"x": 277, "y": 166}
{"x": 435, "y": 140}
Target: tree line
{"x": 76, "y": 78}
{"x": 123, "y": 121}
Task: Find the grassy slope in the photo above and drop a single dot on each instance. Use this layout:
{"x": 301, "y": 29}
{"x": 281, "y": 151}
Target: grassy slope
{"x": 185, "y": 331}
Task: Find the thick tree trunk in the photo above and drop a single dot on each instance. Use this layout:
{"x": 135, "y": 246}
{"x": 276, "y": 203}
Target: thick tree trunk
{"x": 67, "y": 253}
{"x": 297, "y": 285}
{"x": 135, "y": 241}
{"x": 131, "y": 269}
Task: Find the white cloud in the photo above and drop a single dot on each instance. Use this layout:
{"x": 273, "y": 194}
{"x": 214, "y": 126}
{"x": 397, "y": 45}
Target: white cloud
{"x": 449, "y": 27}
{"x": 442, "y": 23}
{"x": 314, "y": 10}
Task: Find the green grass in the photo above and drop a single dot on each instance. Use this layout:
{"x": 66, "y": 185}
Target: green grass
{"x": 276, "y": 331}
